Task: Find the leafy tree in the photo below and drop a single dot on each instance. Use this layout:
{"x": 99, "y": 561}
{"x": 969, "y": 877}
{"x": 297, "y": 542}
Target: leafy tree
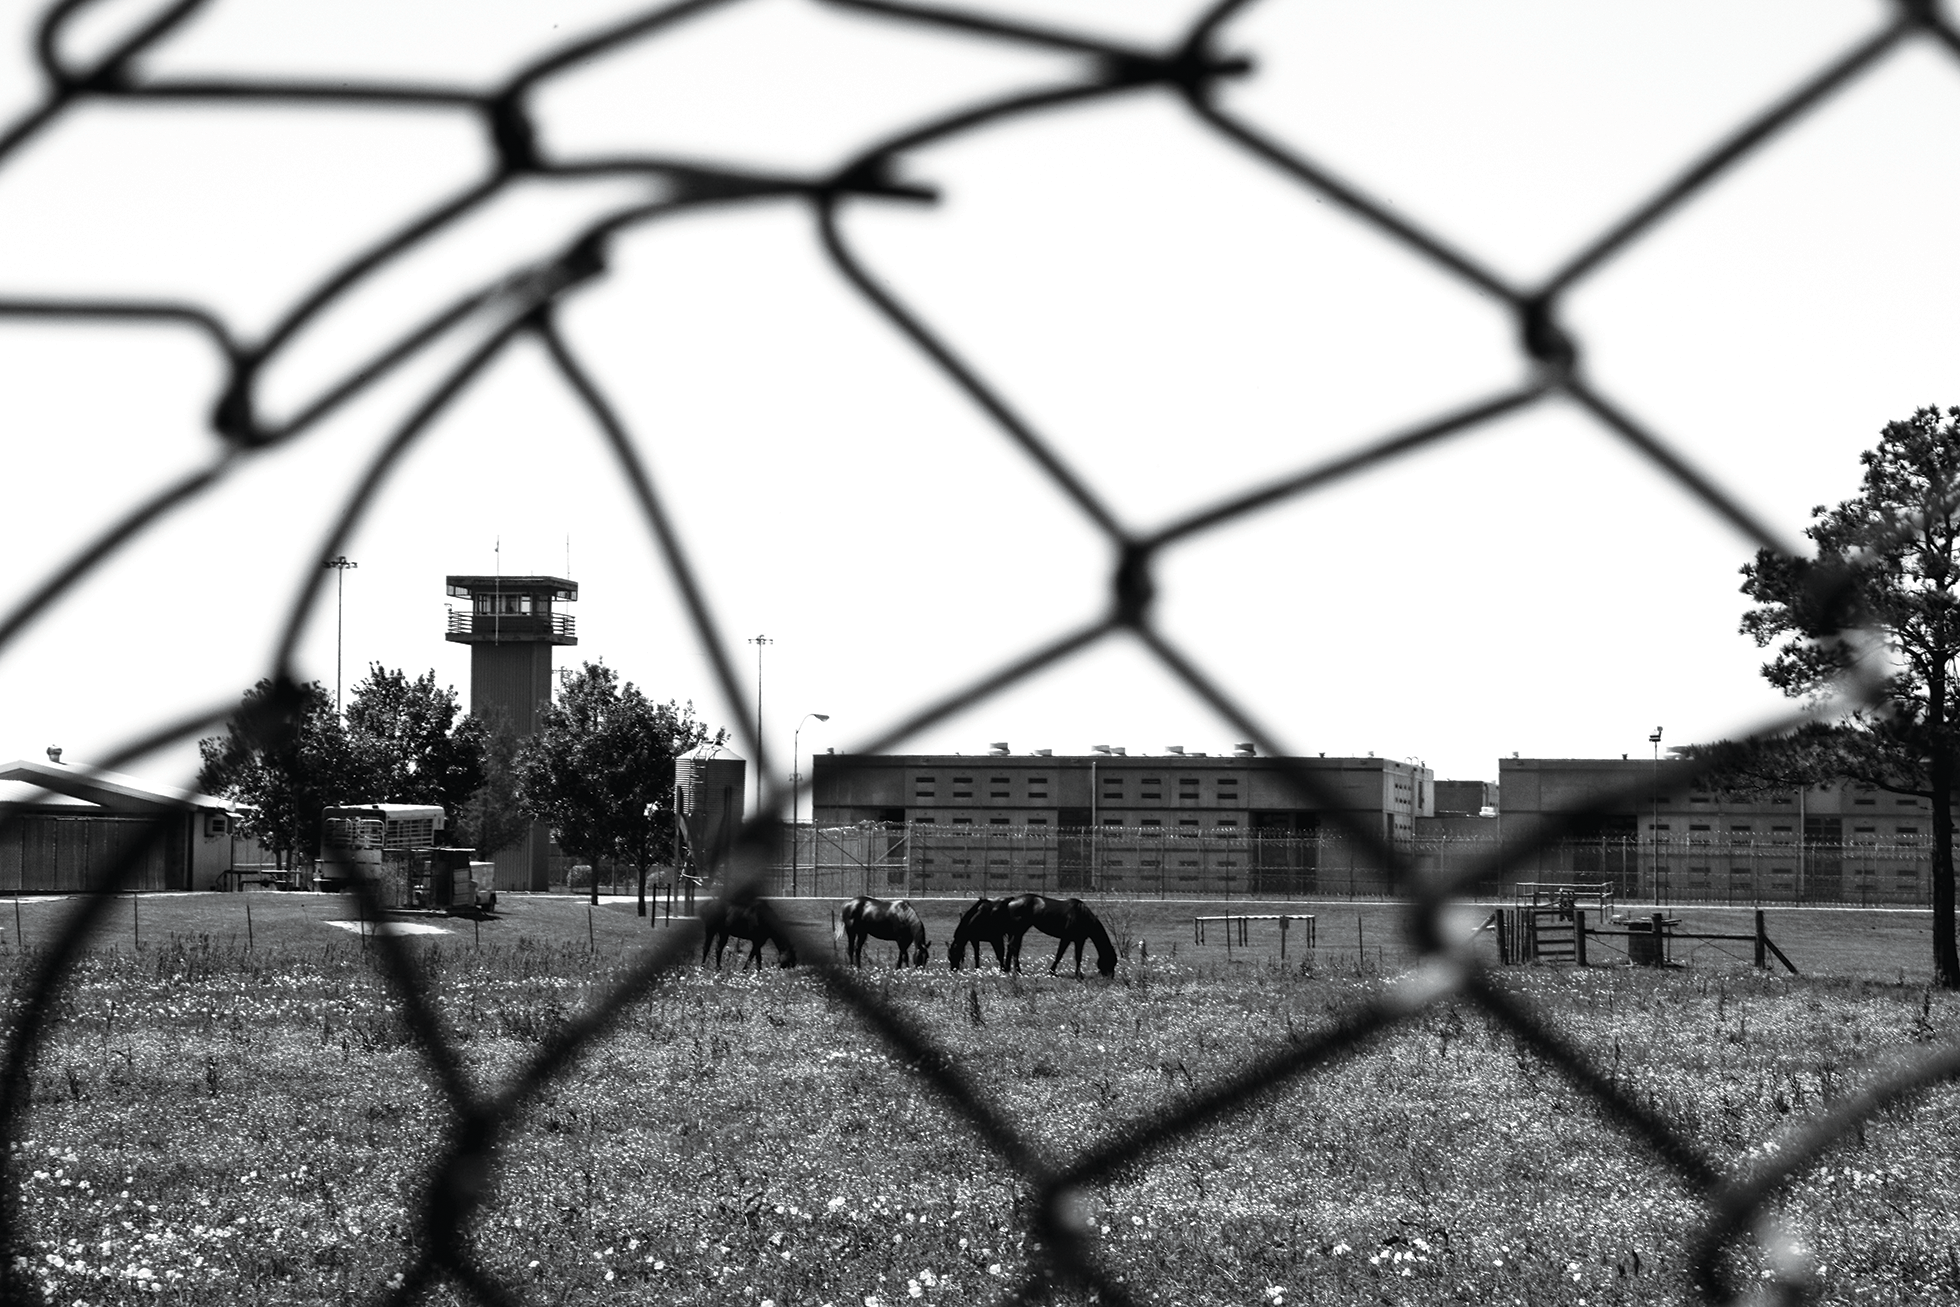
{"x": 493, "y": 818}
{"x": 285, "y": 754}
{"x": 408, "y": 744}
{"x": 1887, "y": 561}
{"x": 602, "y": 758}
{"x": 283, "y": 757}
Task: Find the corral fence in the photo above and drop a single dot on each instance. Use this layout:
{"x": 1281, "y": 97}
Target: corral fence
{"x": 1737, "y": 1206}
{"x": 924, "y": 859}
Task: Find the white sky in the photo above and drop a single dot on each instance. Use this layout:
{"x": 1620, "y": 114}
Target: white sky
{"x": 1178, "y": 319}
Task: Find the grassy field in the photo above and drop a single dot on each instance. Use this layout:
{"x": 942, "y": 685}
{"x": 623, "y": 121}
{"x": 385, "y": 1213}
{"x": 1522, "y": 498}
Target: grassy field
{"x": 218, "y": 1122}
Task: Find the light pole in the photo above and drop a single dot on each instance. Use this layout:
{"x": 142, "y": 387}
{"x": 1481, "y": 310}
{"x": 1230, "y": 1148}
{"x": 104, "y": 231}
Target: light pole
{"x": 796, "y": 784}
{"x": 758, "y": 641}
{"x": 340, "y": 566}
{"x": 1655, "y": 740}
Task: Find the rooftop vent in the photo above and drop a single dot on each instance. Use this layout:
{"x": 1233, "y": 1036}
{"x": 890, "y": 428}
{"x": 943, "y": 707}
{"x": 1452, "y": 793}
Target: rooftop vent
{"x": 54, "y": 753}
{"x": 1120, "y": 751}
{"x": 1245, "y": 750}
{"x": 1101, "y": 748}
{"x": 998, "y": 748}
{"x": 1177, "y": 749}
{"x": 1044, "y": 753}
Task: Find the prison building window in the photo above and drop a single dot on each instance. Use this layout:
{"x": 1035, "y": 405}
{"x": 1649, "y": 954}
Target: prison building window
{"x": 1740, "y": 830}
{"x": 962, "y": 794}
{"x": 962, "y": 821}
{"x": 998, "y": 794}
{"x": 1781, "y": 798}
{"x": 1228, "y": 862}
{"x": 1699, "y": 798}
{"x": 1150, "y": 862}
{"x": 1659, "y": 826}
{"x": 1000, "y": 862}
{"x": 1908, "y": 803}
{"x": 1697, "y": 825}
{"x": 1228, "y": 823}
{"x": 926, "y": 821}
{"x": 1864, "y": 830}
{"x": 1698, "y": 873}
{"x": 1187, "y": 862}
{"x": 1908, "y": 832}
{"x": 997, "y": 821}
{"x": 1782, "y": 871}
{"x": 1864, "y": 803}
{"x": 962, "y": 780}
{"x": 1112, "y": 821}
{"x": 1150, "y": 823}
{"x": 962, "y": 862}
{"x": 1187, "y": 821}
{"x": 923, "y": 794}
{"x": 1115, "y": 862}
{"x": 1037, "y": 821}
{"x": 1779, "y": 830}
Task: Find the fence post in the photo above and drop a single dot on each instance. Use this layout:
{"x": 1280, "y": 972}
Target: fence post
{"x": 1579, "y": 936}
{"x": 1503, "y": 944}
{"x": 1762, "y": 954}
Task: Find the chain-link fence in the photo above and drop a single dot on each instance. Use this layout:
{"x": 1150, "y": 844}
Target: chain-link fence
{"x": 522, "y": 305}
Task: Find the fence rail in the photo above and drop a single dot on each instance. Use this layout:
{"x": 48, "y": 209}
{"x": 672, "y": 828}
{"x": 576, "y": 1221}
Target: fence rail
{"x": 894, "y": 861}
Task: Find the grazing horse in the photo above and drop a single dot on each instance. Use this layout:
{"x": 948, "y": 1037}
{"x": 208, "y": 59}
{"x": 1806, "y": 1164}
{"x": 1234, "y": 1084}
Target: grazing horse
{"x": 755, "y": 922}
{"x": 984, "y": 923}
{"x": 1069, "y": 920}
{"x": 865, "y": 917}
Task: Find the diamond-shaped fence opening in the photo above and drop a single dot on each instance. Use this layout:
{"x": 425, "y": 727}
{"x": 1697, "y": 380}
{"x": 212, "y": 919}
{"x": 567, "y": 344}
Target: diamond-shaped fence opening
{"x": 470, "y": 321}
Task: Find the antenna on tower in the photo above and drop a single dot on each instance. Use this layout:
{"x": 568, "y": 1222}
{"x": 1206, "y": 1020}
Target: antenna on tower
{"x": 568, "y": 555}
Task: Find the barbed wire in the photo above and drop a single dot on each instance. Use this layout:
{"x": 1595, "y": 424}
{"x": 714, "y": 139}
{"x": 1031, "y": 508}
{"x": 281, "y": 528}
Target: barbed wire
{"x": 522, "y": 305}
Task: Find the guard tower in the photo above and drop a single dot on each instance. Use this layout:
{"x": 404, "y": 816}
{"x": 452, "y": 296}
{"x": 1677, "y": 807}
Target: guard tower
{"x": 511, "y": 624}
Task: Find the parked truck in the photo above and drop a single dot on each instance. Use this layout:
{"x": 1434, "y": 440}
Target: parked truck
{"x": 394, "y": 847}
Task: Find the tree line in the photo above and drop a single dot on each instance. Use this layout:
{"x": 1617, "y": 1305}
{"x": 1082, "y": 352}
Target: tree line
{"x": 599, "y": 771}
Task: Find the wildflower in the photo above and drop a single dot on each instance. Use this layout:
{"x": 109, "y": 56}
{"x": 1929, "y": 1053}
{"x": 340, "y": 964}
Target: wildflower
{"x": 914, "y": 1289}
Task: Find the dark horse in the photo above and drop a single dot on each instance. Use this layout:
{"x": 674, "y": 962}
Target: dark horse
{"x": 984, "y": 923}
{"x": 1068, "y": 920}
{"x": 755, "y": 922}
{"x": 865, "y": 917}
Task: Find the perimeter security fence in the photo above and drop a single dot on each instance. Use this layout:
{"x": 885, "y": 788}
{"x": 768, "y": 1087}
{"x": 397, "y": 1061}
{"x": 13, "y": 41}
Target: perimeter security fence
{"x": 473, "y": 335}
{"x": 895, "y": 861}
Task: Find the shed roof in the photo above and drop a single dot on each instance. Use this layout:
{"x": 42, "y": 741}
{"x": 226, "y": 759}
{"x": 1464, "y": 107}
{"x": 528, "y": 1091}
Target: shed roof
{"x": 54, "y": 782}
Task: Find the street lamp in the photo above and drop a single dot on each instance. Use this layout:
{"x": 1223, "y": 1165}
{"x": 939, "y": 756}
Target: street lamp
{"x": 795, "y": 785}
{"x": 340, "y": 566}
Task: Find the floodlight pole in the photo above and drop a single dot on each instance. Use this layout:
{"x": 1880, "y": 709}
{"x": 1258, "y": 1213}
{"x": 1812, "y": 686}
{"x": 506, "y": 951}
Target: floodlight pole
{"x": 1655, "y": 740}
{"x": 339, "y": 566}
{"x": 760, "y": 751}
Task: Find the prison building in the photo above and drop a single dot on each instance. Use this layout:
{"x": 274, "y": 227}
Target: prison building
{"x": 1113, "y": 821}
{"x": 1653, "y": 834}
{"x": 512, "y": 623}
{"x": 64, "y": 826}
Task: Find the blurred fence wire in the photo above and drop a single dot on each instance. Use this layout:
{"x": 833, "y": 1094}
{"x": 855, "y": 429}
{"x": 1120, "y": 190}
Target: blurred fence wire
{"x": 522, "y": 304}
